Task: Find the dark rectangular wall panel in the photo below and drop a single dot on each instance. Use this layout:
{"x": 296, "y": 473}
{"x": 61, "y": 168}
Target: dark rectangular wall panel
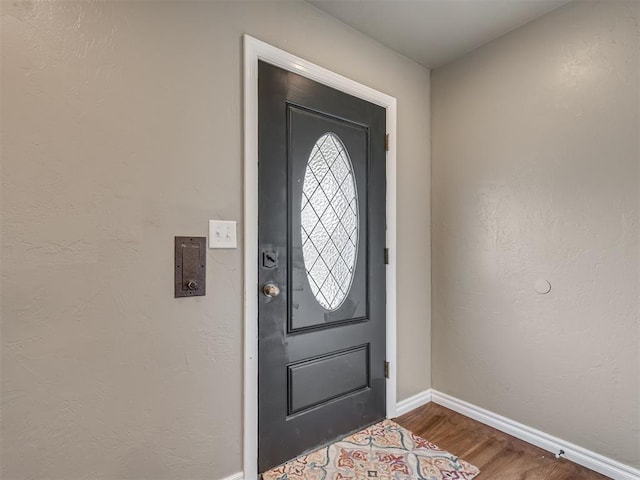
{"x": 190, "y": 262}
{"x": 320, "y": 380}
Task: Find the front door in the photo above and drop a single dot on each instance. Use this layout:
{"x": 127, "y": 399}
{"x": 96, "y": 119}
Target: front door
{"x": 321, "y": 325}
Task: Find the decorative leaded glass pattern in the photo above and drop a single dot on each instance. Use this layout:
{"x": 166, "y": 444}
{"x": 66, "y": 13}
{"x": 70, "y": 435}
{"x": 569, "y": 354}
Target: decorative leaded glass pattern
{"x": 329, "y": 221}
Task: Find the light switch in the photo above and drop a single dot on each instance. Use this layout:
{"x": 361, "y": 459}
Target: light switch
{"x": 222, "y": 234}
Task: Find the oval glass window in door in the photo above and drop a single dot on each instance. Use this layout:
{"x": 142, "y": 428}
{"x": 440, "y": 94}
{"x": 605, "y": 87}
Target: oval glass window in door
{"x": 329, "y": 221}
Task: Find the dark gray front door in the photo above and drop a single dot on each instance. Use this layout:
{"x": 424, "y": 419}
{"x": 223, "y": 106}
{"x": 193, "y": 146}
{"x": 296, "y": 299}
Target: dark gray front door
{"x": 321, "y": 345}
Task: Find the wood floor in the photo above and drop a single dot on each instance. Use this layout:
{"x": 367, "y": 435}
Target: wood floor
{"x": 498, "y": 456}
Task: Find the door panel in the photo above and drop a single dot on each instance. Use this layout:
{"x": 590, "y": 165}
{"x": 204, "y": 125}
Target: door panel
{"x": 321, "y": 345}
{"x": 316, "y": 381}
{"x": 306, "y": 311}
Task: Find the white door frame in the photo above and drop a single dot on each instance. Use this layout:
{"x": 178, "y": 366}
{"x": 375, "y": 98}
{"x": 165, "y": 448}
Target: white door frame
{"x": 255, "y": 50}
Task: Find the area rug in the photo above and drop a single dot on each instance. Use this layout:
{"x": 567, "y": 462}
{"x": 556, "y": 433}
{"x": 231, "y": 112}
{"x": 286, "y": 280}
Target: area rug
{"x": 384, "y": 451}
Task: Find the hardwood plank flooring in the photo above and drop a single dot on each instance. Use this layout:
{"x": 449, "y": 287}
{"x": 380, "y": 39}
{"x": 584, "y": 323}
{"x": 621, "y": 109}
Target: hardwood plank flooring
{"x": 498, "y": 456}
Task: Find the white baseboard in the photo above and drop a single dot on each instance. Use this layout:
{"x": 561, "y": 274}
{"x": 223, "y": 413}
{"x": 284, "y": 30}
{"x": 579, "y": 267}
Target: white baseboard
{"x": 572, "y": 452}
{"x": 235, "y": 476}
{"x": 411, "y": 403}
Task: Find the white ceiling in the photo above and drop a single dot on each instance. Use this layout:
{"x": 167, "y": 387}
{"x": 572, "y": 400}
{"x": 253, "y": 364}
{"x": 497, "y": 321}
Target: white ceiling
{"x": 434, "y": 32}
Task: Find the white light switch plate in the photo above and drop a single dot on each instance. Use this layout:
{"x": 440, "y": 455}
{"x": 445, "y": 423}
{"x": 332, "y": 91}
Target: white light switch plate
{"x": 222, "y": 234}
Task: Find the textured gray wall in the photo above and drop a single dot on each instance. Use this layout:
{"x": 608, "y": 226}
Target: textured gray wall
{"x": 121, "y": 128}
{"x": 536, "y": 174}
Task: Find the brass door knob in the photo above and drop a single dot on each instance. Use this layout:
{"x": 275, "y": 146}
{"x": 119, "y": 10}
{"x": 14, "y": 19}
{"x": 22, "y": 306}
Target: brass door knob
{"x": 271, "y": 290}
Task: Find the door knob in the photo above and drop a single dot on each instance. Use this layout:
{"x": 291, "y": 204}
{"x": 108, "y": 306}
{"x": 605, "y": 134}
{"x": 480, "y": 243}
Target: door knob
{"x": 271, "y": 290}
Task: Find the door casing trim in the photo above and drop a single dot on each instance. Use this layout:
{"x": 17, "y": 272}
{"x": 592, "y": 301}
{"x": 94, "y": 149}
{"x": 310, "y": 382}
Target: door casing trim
{"x": 255, "y": 50}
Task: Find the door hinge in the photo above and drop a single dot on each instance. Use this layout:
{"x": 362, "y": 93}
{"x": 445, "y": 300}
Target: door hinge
{"x": 386, "y": 256}
{"x": 386, "y": 369}
{"x": 386, "y": 142}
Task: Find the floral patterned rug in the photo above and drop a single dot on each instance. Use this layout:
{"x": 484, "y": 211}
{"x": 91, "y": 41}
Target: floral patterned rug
{"x": 384, "y": 451}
